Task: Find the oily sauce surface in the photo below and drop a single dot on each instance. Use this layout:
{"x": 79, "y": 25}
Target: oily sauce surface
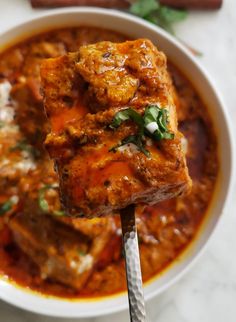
{"x": 164, "y": 230}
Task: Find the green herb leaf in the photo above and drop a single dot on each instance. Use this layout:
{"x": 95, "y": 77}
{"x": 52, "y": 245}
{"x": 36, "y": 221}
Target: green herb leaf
{"x": 136, "y": 140}
{"x": 4, "y": 208}
{"x": 171, "y": 15}
{"x": 58, "y": 213}
{"x": 153, "y": 124}
{"x": 127, "y": 114}
{"x": 130, "y": 114}
{"x": 158, "y": 14}
{"x": 142, "y": 8}
{"x": 43, "y": 204}
{"x": 151, "y": 114}
{"x": 155, "y": 121}
{"x": 166, "y": 17}
{"x": 162, "y": 16}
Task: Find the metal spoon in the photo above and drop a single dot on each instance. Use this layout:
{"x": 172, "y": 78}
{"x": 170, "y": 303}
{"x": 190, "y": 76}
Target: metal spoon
{"x": 132, "y": 265}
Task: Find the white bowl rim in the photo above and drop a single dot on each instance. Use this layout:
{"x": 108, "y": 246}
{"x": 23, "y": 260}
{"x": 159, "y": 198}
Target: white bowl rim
{"x": 109, "y": 310}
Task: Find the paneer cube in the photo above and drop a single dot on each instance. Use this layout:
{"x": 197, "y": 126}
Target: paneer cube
{"x": 65, "y": 252}
{"x": 114, "y": 135}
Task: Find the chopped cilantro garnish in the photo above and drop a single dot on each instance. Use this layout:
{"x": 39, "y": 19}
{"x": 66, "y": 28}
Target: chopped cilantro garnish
{"x": 152, "y": 124}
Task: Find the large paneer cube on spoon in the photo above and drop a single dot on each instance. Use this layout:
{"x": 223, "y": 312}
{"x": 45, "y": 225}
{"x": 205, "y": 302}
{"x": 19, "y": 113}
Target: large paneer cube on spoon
{"x": 114, "y": 135}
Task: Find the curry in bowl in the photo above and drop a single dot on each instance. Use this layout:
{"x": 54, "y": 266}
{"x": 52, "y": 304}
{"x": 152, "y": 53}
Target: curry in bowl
{"x": 75, "y": 257}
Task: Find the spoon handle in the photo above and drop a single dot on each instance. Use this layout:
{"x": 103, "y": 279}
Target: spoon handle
{"x": 132, "y": 265}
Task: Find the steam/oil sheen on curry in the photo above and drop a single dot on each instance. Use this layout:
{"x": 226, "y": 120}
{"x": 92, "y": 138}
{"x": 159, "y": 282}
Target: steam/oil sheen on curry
{"x": 68, "y": 257}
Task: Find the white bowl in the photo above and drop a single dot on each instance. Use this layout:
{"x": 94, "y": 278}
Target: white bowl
{"x": 136, "y": 28}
